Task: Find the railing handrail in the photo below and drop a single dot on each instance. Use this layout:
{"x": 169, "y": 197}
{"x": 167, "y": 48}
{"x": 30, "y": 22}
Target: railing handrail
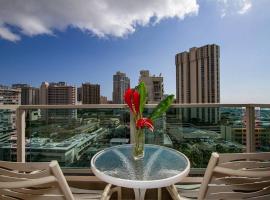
{"x": 9, "y": 107}
{"x": 93, "y": 106}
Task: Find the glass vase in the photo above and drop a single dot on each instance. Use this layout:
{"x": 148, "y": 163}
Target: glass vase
{"x": 138, "y": 147}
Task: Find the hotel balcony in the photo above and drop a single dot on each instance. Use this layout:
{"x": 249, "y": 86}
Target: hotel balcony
{"x": 72, "y": 134}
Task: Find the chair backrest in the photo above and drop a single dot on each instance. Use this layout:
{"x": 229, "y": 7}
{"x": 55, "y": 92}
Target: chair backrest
{"x": 237, "y": 176}
{"x": 44, "y": 181}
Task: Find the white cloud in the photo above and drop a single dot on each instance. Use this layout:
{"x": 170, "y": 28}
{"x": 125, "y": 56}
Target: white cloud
{"x": 245, "y": 7}
{"x": 234, "y": 6}
{"x": 100, "y": 17}
{"x": 8, "y": 35}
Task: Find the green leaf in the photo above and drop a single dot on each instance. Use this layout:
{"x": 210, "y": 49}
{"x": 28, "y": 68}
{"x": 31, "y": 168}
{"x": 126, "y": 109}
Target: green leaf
{"x": 143, "y": 95}
{"x": 162, "y": 107}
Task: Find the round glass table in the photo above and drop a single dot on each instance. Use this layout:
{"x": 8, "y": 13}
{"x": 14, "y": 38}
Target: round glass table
{"x": 160, "y": 167}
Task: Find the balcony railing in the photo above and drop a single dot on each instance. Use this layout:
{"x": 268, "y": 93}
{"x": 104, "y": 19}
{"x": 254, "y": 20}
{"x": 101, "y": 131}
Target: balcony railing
{"x": 72, "y": 134}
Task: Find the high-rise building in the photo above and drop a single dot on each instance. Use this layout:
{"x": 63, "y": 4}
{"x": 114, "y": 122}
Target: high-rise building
{"x": 29, "y": 95}
{"x": 43, "y": 93}
{"x": 198, "y": 79}
{"x": 61, "y": 94}
{"x": 10, "y": 96}
{"x": 197, "y": 75}
{"x": 154, "y": 85}
{"x": 120, "y": 83}
{"x": 8, "y": 116}
{"x": 58, "y": 94}
{"x": 43, "y": 99}
{"x": 90, "y": 93}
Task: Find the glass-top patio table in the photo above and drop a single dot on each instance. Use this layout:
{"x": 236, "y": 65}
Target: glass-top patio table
{"x": 160, "y": 167}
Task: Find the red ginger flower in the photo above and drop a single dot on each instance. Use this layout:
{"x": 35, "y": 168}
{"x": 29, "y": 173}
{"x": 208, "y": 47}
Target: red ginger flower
{"x": 132, "y": 98}
{"x": 136, "y": 101}
{"x": 127, "y": 97}
{"x": 145, "y": 122}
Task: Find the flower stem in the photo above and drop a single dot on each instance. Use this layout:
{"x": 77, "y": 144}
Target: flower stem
{"x": 138, "y": 150}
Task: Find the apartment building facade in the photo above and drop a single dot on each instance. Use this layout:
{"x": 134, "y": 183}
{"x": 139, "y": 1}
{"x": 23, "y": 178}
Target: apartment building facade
{"x": 58, "y": 94}
{"x": 120, "y": 83}
{"x": 198, "y": 79}
{"x": 8, "y": 96}
{"x": 90, "y": 93}
{"x": 154, "y": 85}
{"x": 29, "y": 95}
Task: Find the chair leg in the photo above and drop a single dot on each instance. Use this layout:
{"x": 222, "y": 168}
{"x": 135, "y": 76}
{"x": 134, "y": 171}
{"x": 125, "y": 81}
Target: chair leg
{"x": 170, "y": 192}
{"x": 173, "y": 192}
{"x": 159, "y": 193}
{"x": 119, "y": 193}
{"x": 107, "y": 192}
{"x": 115, "y": 189}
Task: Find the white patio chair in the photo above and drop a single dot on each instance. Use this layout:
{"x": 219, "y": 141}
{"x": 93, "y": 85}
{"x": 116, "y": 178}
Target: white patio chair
{"x": 43, "y": 181}
{"x": 230, "y": 176}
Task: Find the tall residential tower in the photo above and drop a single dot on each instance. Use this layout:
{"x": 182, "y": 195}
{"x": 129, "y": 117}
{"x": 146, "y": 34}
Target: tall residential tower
{"x": 120, "y": 83}
{"x": 198, "y": 79}
{"x": 197, "y": 75}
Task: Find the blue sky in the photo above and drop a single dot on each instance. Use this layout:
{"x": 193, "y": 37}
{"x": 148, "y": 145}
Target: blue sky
{"x": 82, "y": 54}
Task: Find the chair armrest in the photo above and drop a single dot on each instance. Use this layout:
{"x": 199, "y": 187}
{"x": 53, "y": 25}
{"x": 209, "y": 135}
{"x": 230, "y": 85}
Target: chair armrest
{"x": 237, "y": 172}
{"x": 27, "y": 183}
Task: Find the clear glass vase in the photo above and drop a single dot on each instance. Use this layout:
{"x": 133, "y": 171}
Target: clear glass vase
{"x": 138, "y": 147}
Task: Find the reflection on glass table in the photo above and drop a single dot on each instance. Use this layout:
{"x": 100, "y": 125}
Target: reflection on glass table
{"x": 160, "y": 167}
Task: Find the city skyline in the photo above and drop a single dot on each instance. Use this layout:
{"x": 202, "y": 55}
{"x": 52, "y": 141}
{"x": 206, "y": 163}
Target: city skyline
{"x": 77, "y": 56}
